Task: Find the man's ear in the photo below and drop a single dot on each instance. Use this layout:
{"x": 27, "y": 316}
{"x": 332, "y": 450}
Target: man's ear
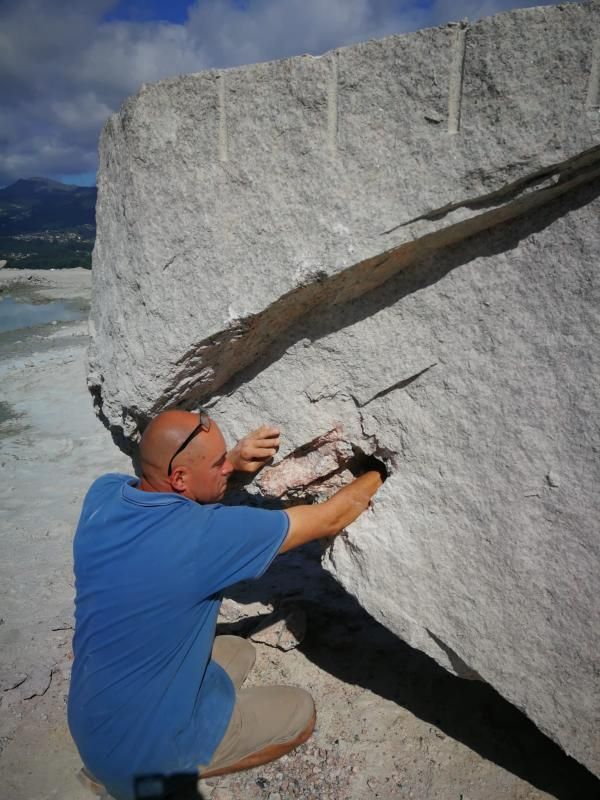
{"x": 178, "y": 479}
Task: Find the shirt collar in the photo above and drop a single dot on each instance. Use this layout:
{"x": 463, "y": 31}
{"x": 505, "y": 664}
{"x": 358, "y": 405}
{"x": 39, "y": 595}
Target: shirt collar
{"x": 132, "y": 494}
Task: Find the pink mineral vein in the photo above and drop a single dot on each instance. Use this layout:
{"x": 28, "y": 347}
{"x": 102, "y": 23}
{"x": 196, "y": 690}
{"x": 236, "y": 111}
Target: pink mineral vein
{"x": 320, "y": 459}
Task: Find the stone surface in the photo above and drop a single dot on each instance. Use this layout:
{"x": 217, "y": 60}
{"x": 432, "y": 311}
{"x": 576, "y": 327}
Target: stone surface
{"x": 402, "y": 238}
{"x": 232, "y": 612}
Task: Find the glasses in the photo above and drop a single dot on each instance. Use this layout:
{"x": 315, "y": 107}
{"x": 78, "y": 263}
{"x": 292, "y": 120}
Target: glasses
{"x": 203, "y": 425}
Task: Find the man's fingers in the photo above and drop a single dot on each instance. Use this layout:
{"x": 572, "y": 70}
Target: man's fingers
{"x": 252, "y": 452}
{"x": 254, "y": 440}
{"x": 264, "y": 444}
{"x": 256, "y": 449}
{"x": 264, "y": 432}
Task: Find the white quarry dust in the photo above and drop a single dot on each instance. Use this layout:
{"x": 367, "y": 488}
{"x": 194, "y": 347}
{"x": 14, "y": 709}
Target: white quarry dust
{"x": 391, "y": 723}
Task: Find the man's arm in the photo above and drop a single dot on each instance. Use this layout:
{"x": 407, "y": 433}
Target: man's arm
{"x": 331, "y": 517}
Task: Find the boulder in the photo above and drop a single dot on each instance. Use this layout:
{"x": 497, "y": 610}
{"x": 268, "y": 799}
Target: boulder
{"x": 390, "y": 251}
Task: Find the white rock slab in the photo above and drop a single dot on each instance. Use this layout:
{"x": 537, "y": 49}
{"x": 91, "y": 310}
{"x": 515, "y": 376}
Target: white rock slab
{"x": 400, "y": 237}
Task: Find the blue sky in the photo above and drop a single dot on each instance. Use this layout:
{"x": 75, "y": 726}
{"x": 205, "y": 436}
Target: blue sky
{"x": 65, "y": 66}
{"x": 147, "y": 10}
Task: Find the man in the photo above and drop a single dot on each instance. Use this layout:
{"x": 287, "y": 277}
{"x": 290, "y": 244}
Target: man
{"x": 153, "y": 693}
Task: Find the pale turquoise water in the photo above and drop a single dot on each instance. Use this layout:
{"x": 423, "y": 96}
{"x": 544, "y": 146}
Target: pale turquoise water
{"x": 17, "y": 314}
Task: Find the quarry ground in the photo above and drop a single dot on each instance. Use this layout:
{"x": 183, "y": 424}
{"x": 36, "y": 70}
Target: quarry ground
{"x": 391, "y": 723}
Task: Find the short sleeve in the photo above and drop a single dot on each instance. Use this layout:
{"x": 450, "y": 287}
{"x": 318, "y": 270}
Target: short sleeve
{"x": 238, "y": 543}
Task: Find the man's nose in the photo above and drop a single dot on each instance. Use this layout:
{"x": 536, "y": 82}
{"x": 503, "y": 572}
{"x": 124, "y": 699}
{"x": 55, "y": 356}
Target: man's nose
{"x": 228, "y": 467}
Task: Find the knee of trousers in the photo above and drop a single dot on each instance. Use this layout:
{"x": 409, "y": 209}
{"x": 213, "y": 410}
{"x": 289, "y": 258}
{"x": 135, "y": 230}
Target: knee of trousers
{"x": 283, "y": 711}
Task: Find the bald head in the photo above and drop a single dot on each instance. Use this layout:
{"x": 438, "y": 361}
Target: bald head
{"x": 199, "y": 472}
{"x": 164, "y": 434}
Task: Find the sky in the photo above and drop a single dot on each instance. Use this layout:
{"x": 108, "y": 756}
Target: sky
{"x": 66, "y": 65}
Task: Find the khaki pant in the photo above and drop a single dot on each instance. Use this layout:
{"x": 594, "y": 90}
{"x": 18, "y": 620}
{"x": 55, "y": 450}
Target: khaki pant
{"x": 262, "y": 715}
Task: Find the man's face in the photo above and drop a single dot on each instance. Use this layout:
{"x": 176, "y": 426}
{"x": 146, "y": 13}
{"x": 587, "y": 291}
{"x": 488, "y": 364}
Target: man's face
{"x": 208, "y": 470}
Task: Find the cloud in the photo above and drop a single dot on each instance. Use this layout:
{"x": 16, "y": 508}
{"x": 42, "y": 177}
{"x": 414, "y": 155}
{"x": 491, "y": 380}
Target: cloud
{"x": 270, "y": 29}
{"x": 473, "y": 10}
{"x": 61, "y": 78}
{"x": 63, "y": 69}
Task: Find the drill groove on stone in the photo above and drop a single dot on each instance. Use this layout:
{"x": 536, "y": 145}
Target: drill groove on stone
{"x": 332, "y": 105}
{"x": 221, "y": 88}
{"x": 455, "y": 88}
{"x": 593, "y": 95}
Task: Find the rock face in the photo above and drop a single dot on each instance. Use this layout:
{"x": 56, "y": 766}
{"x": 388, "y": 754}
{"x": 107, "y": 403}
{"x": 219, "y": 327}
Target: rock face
{"x": 391, "y": 250}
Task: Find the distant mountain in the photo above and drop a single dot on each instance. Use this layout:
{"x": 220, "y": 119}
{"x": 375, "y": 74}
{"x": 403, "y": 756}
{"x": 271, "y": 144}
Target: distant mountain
{"x": 45, "y": 223}
{"x": 36, "y": 204}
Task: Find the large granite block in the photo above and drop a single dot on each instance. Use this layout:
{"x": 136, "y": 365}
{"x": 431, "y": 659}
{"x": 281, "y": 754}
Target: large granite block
{"x": 398, "y": 240}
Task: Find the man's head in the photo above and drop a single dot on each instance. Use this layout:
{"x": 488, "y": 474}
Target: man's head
{"x": 200, "y": 471}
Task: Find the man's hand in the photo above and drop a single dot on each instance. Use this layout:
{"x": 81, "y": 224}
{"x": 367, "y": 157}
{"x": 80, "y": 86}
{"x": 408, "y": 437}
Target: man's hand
{"x": 255, "y": 450}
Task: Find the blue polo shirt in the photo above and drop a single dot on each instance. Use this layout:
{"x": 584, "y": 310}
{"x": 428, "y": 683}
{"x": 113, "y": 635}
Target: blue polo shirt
{"x": 145, "y": 696}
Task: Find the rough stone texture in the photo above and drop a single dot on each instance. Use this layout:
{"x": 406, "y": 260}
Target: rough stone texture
{"x": 400, "y": 238}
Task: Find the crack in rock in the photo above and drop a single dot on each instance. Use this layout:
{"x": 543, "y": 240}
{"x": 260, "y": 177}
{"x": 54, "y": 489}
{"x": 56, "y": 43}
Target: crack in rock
{"x": 559, "y": 171}
{"x": 210, "y": 363}
{"x": 316, "y": 470}
{"x": 401, "y": 384}
{"x": 309, "y": 464}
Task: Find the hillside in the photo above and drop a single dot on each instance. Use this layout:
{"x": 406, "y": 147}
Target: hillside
{"x": 45, "y": 223}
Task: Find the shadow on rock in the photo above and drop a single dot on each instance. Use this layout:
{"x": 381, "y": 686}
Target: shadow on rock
{"x": 345, "y": 641}
{"x": 426, "y": 271}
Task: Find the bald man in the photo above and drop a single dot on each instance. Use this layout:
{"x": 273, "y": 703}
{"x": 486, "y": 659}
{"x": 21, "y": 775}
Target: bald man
{"x": 153, "y": 693}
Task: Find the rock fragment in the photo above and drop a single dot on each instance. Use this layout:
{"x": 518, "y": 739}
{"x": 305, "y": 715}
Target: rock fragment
{"x": 285, "y": 629}
{"x": 320, "y": 461}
